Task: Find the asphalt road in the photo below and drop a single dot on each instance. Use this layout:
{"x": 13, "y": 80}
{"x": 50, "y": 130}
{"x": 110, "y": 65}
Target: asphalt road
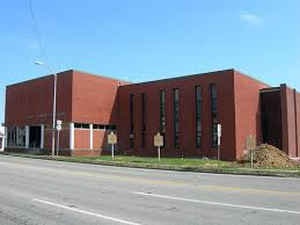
{"x": 37, "y": 192}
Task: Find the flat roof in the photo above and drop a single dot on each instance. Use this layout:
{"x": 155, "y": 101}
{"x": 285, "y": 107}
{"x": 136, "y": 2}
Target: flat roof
{"x": 128, "y": 83}
{"x": 100, "y": 75}
{"x": 61, "y": 74}
{"x": 187, "y": 76}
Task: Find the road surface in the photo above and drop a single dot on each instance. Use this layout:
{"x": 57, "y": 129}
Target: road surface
{"x": 40, "y": 192}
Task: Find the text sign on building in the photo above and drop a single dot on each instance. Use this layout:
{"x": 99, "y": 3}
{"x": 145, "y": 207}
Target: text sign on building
{"x": 158, "y": 140}
{"x": 112, "y": 138}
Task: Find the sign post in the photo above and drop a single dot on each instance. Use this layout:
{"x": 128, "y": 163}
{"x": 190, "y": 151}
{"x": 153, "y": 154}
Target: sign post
{"x": 158, "y": 142}
{"x": 112, "y": 139}
{"x": 251, "y": 145}
{"x": 58, "y": 128}
{"x": 219, "y": 128}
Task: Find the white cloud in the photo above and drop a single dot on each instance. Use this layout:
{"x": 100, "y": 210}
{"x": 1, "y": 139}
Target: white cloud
{"x": 251, "y": 18}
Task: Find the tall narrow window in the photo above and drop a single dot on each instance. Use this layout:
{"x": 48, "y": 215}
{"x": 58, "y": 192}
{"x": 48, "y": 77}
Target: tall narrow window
{"x": 143, "y": 119}
{"x": 214, "y": 120}
{"x": 162, "y": 111}
{"x": 176, "y": 117}
{"x": 131, "y": 136}
{"x": 198, "y": 98}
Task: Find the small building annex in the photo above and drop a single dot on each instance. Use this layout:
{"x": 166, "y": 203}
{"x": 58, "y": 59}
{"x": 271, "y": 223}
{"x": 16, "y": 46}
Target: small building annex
{"x": 186, "y": 110}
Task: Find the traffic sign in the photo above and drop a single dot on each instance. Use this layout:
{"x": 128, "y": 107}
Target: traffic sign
{"x": 58, "y": 125}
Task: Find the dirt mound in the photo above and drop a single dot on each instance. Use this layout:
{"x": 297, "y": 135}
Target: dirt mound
{"x": 268, "y": 156}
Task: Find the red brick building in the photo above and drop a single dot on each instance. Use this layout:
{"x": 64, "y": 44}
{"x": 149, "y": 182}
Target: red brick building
{"x": 87, "y": 105}
{"x": 186, "y": 110}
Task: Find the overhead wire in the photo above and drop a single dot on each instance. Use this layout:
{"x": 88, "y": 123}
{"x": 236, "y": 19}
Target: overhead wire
{"x": 37, "y": 33}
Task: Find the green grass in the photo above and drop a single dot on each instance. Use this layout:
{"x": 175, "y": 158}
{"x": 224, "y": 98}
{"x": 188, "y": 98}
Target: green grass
{"x": 163, "y": 161}
{"x": 185, "y": 164}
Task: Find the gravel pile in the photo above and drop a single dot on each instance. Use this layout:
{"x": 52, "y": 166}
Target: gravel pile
{"x": 268, "y": 156}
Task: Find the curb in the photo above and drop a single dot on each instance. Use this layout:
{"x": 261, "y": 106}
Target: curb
{"x": 232, "y": 171}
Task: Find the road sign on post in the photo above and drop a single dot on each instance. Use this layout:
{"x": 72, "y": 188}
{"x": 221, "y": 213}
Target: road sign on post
{"x": 58, "y": 128}
{"x": 158, "y": 142}
{"x": 58, "y": 125}
{"x": 219, "y": 129}
{"x": 112, "y": 139}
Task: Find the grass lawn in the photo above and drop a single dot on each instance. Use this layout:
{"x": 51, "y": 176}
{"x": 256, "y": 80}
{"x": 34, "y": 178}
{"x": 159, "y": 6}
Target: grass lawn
{"x": 179, "y": 164}
{"x": 185, "y": 162}
{"x": 165, "y": 161}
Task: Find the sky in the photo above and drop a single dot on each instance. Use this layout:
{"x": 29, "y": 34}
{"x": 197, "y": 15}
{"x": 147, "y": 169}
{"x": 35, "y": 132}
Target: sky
{"x": 138, "y": 40}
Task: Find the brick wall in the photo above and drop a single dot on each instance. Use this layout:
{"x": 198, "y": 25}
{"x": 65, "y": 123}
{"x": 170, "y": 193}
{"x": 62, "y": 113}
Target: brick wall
{"x": 247, "y": 110}
{"x": 186, "y": 85}
{"x": 297, "y": 98}
{"x": 94, "y": 98}
{"x": 90, "y": 99}
{"x": 81, "y": 97}
{"x": 82, "y": 139}
{"x": 31, "y": 103}
{"x": 290, "y": 120}
{"x": 94, "y": 101}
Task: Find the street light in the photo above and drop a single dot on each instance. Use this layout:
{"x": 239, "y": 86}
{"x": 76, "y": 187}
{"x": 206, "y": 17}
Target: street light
{"x": 39, "y": 63}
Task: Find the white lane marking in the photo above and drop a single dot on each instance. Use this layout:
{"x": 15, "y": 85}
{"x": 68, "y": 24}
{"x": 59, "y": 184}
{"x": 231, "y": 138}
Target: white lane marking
{"x": 217, "y": 203}
{"x": 85, "y": 212}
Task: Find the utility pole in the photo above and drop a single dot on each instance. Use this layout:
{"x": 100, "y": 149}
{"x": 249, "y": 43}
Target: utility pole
{"x": 54, "y": 104}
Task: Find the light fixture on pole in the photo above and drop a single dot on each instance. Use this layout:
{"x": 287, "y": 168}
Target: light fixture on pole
{"x": 39, "y": 63}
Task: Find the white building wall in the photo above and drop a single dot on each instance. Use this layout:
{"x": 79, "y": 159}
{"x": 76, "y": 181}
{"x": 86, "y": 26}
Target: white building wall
{"x": 3, "y": 141}
{"x": 72, "y": 136}
{"x": 91, "y": 136}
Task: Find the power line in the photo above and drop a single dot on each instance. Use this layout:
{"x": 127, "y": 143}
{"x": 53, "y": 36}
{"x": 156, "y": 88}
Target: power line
{"x": 36, "y": 31}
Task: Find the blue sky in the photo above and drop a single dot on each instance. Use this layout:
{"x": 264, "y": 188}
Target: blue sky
{"x": 145, "y": 40}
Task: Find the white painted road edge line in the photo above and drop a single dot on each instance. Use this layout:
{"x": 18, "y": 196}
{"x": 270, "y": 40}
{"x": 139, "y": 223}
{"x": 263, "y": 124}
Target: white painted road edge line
{"x": 85, "y": 212}
{"x": 217, "y": 203}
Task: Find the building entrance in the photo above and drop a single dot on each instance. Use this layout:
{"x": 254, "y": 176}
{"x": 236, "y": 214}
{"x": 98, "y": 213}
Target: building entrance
{"x": 271, "y": 119}
{"x": 35, "y": 137}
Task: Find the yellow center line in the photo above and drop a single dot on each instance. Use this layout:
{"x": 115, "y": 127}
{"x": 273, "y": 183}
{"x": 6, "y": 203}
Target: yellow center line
{"x": 143, "y": 180}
